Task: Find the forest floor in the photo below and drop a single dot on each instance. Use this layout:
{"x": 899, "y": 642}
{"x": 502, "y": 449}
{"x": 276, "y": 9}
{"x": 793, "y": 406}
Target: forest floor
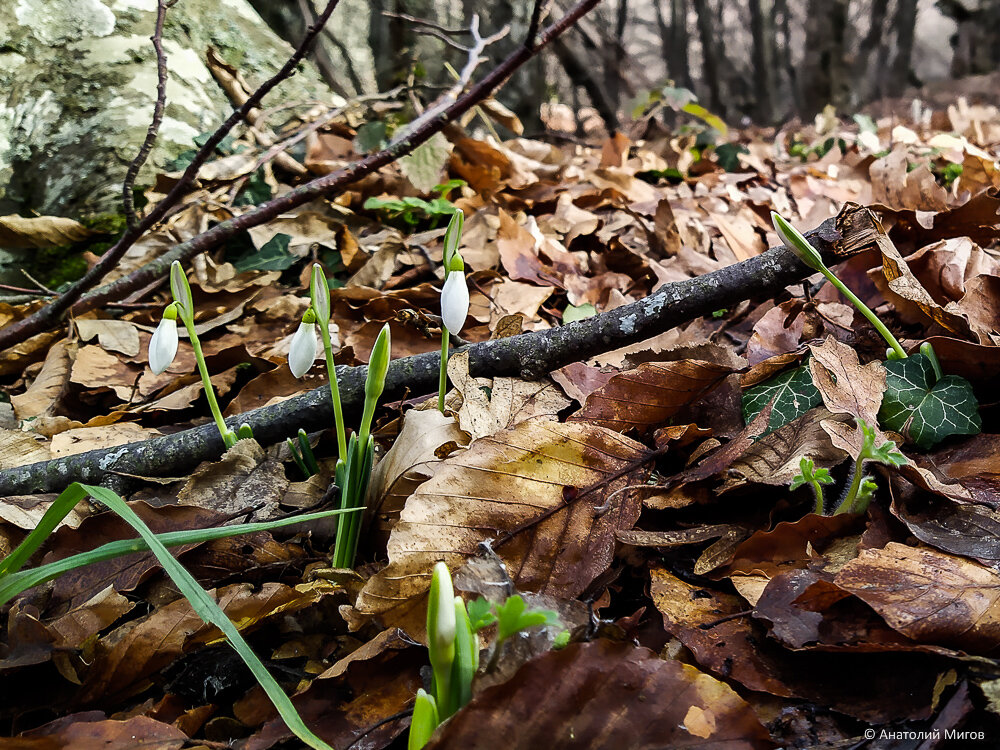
{"x": 643, "y": 494}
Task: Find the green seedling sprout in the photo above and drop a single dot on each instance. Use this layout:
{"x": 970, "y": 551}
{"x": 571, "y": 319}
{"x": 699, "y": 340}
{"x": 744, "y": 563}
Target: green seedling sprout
{"x": 798, "y": 244}
{"x": 815, "y": 478}
{"x": 454, "y": 296}
{"x": 859, "y": 492}
{"x": 453, "y": 648}
{"x": 354, "y": 473}
{"x": 302, "y": 454}
{"x": 319, "y": 293}
{"x": 163, "y": 348}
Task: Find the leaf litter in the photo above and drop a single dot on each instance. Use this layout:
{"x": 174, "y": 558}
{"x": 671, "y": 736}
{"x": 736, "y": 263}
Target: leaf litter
{"x": 707, "y": 605}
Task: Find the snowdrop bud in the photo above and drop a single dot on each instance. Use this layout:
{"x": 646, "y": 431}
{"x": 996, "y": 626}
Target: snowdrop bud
{"x": 455, "y": 298}
{"x": 452, "y": 236}
{"x": 792, "y": 239}
{"x": 163, "y": 345}
{"x": 441, "y": 612}
{"x": 378, "y": 364}
{"x": 302, "y": 352}
{"x": 319, "y": 291}
{"x": 181, "y": 289}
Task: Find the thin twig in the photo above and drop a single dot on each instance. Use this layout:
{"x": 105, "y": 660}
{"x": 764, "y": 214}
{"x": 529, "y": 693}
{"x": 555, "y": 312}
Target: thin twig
{"x": 47, "y": 316}
{"x": 536, "y": 17}
{"x": 128, "y": 200}
{"x": 428, "y": 24}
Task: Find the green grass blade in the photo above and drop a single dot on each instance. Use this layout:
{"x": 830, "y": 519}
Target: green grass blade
{"x": 14, "y": 583}
{"x": 206, "y": 608}
{"x": 59, "y": 509}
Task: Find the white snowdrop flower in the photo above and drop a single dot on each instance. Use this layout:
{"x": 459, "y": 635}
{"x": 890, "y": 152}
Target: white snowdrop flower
{"x": 163, "y": 344}
{"x": 455, "y": 301}
{"x": 302, "y": 352}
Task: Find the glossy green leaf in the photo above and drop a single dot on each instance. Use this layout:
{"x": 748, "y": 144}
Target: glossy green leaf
{"x": 925, "y": 412}
{"x": 793, "y": 394}
{"x": 272, "y": 256}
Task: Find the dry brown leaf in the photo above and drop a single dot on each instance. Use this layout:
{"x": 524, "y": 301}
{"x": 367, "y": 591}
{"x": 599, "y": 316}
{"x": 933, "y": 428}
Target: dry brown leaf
{"x": 48, "y": 385}
{"x": 603, "y": 694}
{"x": 774, "y": 458}
{"x": 501, "y": 483}
{"x": 18, "y": 448}
{"x": 242, "y": 479}
{"x": 929, "y": 596}
{"x": 898, "y": 189}
{"x": 490, "y": 406}
{"x": 846, "y": 386}
{"x": 650, "y": 394}
{"x": 82, "y": 439}
{"x": 40, "y": 231}
{"x": 113, "y": 335}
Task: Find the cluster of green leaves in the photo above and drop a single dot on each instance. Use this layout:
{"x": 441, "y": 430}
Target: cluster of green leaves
{"x": 804, "y": 150}
{"x": 14, "y": 578}
{"x": 254, "y": 191}
{"x": 411, "y": 213}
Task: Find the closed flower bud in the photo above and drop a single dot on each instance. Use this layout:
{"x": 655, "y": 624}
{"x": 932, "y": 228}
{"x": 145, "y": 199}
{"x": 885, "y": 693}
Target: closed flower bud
{"x": 441, "y": 622}
{"x": 793, "y": 239}
{"x": 319, "y": 293}
{"x": 378, "y": 364}
{"x": 163, "y": 345}
{"x": 302, "y": 351}
{"x": 454, "y": 301}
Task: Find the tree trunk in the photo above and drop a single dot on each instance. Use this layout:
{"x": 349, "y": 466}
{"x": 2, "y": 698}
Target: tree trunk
{"x": 581, "y": 76}
{"x": 765, "y": 79}
{"x": 709, "y": 54}
{"x": 871, "y": 51}
{"x": 825, "y": 79}
{"x": 614, "y": 55}
{"x": 905, "y": 24}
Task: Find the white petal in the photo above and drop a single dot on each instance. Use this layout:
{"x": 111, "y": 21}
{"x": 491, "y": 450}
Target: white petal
{"x": 455, "y": 301}
{"x": 163, "y": 346}
{"x": 302, "y": 352}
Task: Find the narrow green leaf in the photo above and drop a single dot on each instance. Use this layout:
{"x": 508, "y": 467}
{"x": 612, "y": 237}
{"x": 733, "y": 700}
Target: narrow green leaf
{"x": 14, "y": 583}
{"x": 209, "y": 611}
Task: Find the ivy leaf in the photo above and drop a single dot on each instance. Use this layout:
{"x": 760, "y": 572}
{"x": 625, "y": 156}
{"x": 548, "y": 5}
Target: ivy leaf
{"x": 272, "y": 256}
{"x": 923, "y": 411}
{"x": 793, "y": 393}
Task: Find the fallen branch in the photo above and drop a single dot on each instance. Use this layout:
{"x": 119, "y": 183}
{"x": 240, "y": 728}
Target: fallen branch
{"x": 322, "y": 186}
{"x": 529, "y": 355}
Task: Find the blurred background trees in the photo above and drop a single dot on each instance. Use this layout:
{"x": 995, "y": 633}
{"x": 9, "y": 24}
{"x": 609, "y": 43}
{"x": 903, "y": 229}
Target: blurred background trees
{"x": 764, "y": 61}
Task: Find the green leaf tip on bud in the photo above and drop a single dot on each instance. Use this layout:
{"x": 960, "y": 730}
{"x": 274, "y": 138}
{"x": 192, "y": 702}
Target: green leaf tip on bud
{"x": 245, "y": 432}
{"x": 319, "y": 293}
{"x": 378, "y": 364}
{"x": 795, "y": 241}
{"x": 181, "y": 290}
{"x": 453, "y": 236}
{"x": 309, "y": 316}
{"x": 441, "y": 622}
{"x": 425, "y": 720}
{"x": 170, "y": 311}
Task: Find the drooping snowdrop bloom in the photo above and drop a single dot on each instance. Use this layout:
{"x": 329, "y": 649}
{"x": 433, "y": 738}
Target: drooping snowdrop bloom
{"x": 163, "y": 345}
{"x": 455, "y": 296}
{"x": 302, "y": 352}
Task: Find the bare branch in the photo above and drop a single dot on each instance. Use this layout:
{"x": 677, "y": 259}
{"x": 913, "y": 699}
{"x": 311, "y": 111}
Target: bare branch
{"x": 128, "y": 201}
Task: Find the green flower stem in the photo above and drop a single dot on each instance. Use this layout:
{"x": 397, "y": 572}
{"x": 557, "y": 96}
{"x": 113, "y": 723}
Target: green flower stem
{"x": 852, "y": 492}
{"x": 443, "y": 379}
{"x": 872, "y": 318}
{"x": 213, "y": 404}
{"x": 331, "y": 369}
{"x": 818, "y": 491}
